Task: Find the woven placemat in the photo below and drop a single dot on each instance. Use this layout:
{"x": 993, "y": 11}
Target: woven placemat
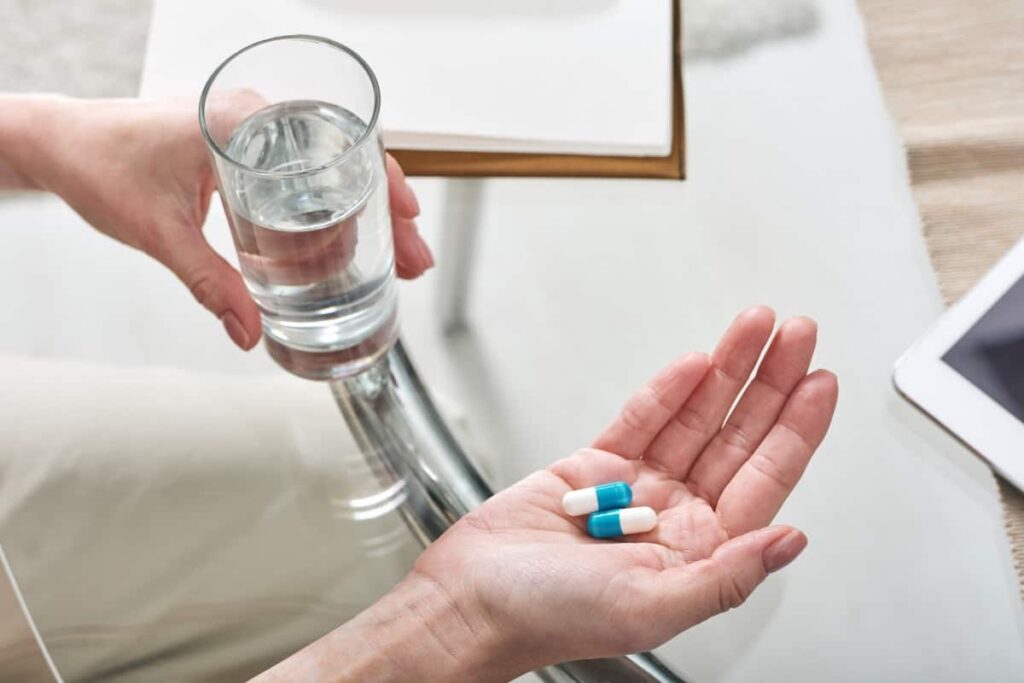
{"x": 953, "y": 76}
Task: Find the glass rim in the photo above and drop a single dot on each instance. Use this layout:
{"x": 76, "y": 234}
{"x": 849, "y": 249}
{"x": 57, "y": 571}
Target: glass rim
{"x": 303, "y": 37}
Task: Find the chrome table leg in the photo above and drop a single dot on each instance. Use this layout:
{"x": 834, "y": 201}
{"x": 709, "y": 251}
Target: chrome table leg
{"x": 462, "y": 207}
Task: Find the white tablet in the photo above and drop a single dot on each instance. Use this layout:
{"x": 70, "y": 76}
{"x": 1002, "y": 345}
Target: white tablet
{"x": 967, "y": 372}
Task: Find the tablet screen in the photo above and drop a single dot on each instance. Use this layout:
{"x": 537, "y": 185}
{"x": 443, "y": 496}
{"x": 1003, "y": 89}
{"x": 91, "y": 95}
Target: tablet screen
{"x": 991, "y": 355}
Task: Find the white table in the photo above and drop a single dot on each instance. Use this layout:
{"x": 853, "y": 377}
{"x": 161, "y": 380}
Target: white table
{"x": 797, "y": 197}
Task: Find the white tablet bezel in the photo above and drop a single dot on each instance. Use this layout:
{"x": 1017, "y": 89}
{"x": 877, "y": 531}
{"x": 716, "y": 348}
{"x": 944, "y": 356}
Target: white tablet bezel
{"x": 962, "y": 408}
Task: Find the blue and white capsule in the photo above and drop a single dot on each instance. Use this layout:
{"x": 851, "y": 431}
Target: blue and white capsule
{"x": 614, "y": 523}
{"x": 615, "y": 494}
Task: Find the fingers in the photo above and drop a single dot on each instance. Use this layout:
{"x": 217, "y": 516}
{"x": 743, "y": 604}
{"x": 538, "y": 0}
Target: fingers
{"x": 590, "y": 467}
{"x": 403, "y": 199}
{"x": 217, "y": 286}
{"x": 650, "y": 408}
{"x": 784, "y": 365}
{"x": 226, "y": 109}
{"x": 686, "y": 434}
{"x": 691, "y": 593}
{"x": 763, "y": 483}
{"x": 412, "y": 255}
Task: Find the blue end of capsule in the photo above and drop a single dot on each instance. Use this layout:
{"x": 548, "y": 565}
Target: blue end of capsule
{"x": 616, "y": 494}
{"x": 604, "y": 524}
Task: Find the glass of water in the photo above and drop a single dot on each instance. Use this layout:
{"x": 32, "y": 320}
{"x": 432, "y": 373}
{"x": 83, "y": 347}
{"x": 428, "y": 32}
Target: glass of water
{"x": 291, "y": 123}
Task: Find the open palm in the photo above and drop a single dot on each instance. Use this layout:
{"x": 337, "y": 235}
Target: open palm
{"x": 715, "y": 469}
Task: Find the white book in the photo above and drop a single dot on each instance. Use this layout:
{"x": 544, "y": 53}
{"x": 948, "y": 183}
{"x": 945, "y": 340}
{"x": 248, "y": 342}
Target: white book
{"x": 552, "y": 76}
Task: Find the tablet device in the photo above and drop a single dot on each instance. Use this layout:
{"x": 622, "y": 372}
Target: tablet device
{"x": 967, "y": 372}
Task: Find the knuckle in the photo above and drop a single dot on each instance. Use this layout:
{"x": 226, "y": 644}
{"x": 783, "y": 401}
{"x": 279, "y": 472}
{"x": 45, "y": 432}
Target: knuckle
{"x": 728, "y": 377}
{"x": 735, "y": 436}
{"x": 798, "y": 435}
{"x": 731, "y": 593}
{"x": 690, "y": 419}
{"x": 203, "y": 288}
{"x": 631, "y": 417}
{"x": 724, "y": 590}
{"x": 771, "y": 471}
{"x": 775, "y": 387}
{"x": 658, "y": 400}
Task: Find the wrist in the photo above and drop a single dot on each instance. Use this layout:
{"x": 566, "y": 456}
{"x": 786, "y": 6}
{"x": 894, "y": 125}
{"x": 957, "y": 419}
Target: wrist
{"x": 28, "y": 126}
{"x": 432, "y": 635}
{"x": 415, "y": 632}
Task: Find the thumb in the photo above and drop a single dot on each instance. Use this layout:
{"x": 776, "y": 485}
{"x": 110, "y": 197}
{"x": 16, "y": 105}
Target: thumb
{"x": 727, "y": 578}
{"x": 218, "y": 287}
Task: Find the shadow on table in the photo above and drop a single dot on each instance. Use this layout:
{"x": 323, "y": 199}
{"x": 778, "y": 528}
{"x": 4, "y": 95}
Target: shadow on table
{"x": 714, "y": 30}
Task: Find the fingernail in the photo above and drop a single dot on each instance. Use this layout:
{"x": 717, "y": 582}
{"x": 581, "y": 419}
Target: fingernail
{"x": 234, "y": 328}
{"x": 783, "y": 551}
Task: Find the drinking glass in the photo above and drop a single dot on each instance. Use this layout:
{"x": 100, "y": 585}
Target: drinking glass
{"x": 291, "y": 125}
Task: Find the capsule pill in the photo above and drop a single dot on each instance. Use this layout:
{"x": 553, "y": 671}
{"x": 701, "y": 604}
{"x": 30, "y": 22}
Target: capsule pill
{"x": 613, "y": 523}
{"x": 616, "y": 494}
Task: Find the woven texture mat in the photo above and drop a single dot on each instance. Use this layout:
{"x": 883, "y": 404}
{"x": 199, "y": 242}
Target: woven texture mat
{"x": 953, "y": 75}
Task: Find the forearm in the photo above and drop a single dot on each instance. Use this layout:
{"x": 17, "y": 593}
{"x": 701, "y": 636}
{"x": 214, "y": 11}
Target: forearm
{"x": 26, "y": 135}
{"x": 414, "y": 632}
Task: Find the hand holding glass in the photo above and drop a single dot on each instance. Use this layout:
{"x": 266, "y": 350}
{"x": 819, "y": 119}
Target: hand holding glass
{"x": 301, "y": 172}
